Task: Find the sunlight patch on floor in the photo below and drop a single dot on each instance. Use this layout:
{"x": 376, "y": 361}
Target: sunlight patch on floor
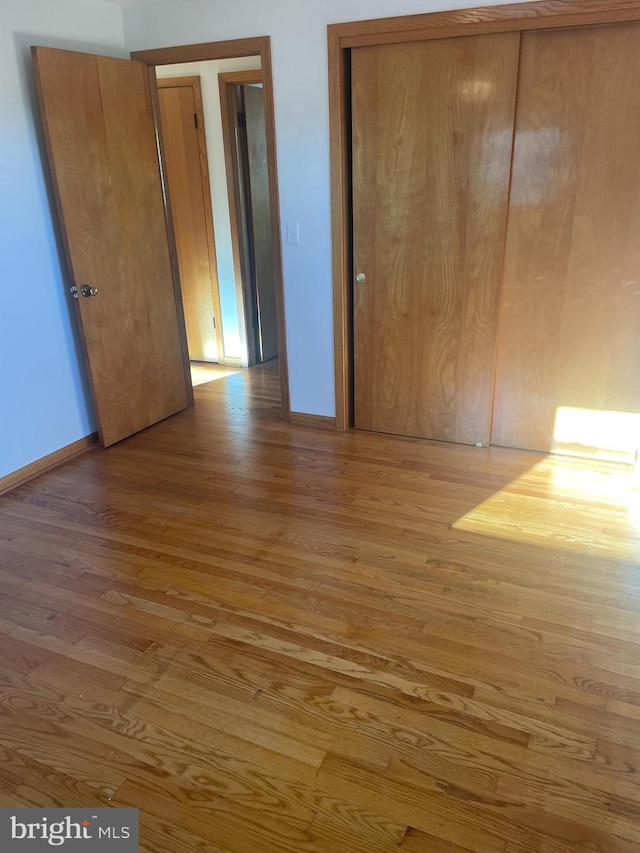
{"x": 203, "y": 373}
{"x": 578, "y": 504}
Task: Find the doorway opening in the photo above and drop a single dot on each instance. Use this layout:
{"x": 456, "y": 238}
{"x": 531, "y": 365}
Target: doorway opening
{"x": 242, "y": 107}
{"x": 214, "y": 133}
{"x": 249, "y": 328}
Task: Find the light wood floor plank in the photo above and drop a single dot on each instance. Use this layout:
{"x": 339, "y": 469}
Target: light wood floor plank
{"x": 277, "y": 639}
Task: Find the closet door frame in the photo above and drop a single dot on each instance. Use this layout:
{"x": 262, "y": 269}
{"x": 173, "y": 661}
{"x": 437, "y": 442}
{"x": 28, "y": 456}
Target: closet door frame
{"x": 521, "y": 17}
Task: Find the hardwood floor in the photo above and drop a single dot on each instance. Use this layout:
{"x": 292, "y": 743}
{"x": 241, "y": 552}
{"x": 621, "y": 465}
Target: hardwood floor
{"x": 274, "y": 639}
{"x": 203, "y": 372}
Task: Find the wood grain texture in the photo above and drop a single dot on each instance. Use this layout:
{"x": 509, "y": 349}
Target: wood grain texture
{"x": 261, "y": 221}
{"x": 566, "y": 370}
{"x": 258, "y": 46}
{"x": 432, "y": 136}
{"x": 276, "y": 227}
{"x": 464, "y": 22}
{"x": 204, "y": 166}
{"x": 315, "y": 421}
{"x": 171, "y": 237}
{"x": 237, "y": 221}
{"x": 341, "y": 234}
{"x": 230, "y": 49}
{"x": 188, "y": 179}
{"x": 241, "y": 78}
{"x": 98, "y": 124}
{"x": 47, "y": 463}
{"x": 543, "y": 14}
{"x": 249, "y": 193}
{"x": 208, "y": 214}
{"x": 287, "y": 640}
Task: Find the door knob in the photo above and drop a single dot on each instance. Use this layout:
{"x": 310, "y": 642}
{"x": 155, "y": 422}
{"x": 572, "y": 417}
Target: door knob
{"x": 361, "y": 277}
{"x": 73, "y": 290}
{"x": 86, "y": 290}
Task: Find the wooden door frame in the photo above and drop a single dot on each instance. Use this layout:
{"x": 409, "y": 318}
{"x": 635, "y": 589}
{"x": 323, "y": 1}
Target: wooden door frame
{"x": 193, "y": 83}
{"x": 543, "y": 14}
{"x": 225, "y": 81}
{"x": 232, "y": 49}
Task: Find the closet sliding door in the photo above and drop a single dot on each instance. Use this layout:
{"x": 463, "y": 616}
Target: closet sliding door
{"x": 568, "y": 366}
{"x": 432, "y": 145}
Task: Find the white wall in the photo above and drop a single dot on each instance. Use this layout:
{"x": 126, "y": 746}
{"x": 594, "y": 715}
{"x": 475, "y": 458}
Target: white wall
{"x": 234, "y": 341}
{"x": 299, "y": 49}
{"x": 44, "y": 402}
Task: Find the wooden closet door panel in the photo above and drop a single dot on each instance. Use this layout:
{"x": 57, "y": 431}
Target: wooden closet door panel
{"x": 432, "y": 143}
{"x": 569, "y": 348}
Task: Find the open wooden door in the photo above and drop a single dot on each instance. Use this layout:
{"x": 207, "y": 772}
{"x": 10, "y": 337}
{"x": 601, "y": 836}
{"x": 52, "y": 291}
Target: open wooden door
{"x": 100, "y": 135}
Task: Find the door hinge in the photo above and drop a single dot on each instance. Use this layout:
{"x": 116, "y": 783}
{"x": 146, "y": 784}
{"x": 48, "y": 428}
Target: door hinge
{"x": 214, "y": 322}
{"x": 195, "y": 120}
{"x": 242, "y": 119}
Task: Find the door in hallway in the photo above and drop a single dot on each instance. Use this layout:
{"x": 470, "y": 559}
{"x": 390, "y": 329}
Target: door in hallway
{"x": 188, "y": 178}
